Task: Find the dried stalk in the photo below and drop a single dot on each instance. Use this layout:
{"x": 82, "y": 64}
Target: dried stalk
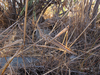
{"x": 25, "y": 20}
{"x": 84, "y": 30}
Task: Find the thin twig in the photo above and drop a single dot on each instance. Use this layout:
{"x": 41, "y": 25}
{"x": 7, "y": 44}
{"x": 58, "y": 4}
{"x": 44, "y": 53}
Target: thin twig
{"x": 84, "y": 30}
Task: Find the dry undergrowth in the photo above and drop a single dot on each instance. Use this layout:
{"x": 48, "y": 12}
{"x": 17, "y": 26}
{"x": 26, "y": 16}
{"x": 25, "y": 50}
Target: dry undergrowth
{"x": 60, "y": 44}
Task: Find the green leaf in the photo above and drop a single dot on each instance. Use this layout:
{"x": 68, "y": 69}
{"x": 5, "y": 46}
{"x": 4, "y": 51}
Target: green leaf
{"x": 23, "y": 10}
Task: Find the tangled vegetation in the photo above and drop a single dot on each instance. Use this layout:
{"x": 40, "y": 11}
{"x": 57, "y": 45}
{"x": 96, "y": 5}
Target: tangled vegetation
{"x": 49, "y": 37}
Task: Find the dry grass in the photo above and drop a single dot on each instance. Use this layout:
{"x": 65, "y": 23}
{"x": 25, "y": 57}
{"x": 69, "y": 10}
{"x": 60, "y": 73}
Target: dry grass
{"x": 65, "y": 44}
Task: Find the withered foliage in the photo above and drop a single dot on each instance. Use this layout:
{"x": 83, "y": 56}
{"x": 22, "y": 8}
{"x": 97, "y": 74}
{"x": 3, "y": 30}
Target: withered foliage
{"x": 62, "y": 37}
